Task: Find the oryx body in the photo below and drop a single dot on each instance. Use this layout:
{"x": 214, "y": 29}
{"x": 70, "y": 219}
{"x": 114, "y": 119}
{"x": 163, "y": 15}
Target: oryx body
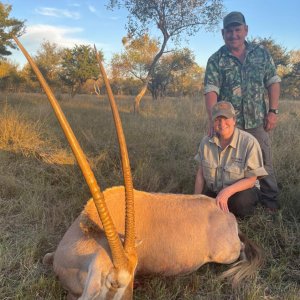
{"x": 176, "y": 234}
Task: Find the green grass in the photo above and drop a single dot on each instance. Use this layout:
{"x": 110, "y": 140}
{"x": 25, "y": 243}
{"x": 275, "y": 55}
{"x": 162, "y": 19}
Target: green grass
{"x": 42, "y": 190}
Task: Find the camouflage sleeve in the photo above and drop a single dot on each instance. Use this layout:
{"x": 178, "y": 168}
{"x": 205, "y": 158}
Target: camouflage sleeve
{"x": 212, "y": 77}
{"x": 254, "y": 163}
{"x": 270, "y": 70}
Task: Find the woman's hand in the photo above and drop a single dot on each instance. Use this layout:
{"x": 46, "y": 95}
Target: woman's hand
{"x": 222, "y": 199}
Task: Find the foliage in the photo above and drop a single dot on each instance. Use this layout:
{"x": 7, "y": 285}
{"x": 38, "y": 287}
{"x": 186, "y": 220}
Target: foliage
{"x": 136, "y": 58}
{"x": 10, "y": 78}
{"x": 278, "y": 52}
{"x": 169, "y": 69}
{"x": 6, "y": 68}
{"x": 172, "y": 18}
{"x": 294, "y": 56}
{"x": 125, "y": 86}
{"x": 287, "y": 63}
{"x": 291, "y": 77}
{"x": 9, "y": 27}
{"x": 78, "y": 65}
{"x": 175, "y": 68}
{"x": 48, "y": 59}
{"x": 291, "y": 82}
{"x": 188, "y": 83}
{"x": 130, "y": 67}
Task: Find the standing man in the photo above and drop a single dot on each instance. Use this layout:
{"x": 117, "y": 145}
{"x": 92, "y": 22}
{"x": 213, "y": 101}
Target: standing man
{"x": 239, "y": 72}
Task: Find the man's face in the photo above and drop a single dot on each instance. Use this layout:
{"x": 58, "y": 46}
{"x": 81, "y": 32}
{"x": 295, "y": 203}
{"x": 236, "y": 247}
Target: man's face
{"x": 224, "y": 127}
{"x": 234, "y": 36}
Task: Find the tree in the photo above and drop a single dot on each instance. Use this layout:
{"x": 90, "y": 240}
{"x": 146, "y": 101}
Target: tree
{"x": 176, "y": 69}
{"x": 287, "y": 64}
{"x": 10, "y": 78}
{"x": 136, "y": 58}
{"x": 8, "y": 27}
{"x": 78, "y": 65}
{"x": 291, "y": 79}
{"x": 172, "y": 18}
{"x": 131, "y": 66}
{"x": 188, "y": 82}
{"x": 5, "y": 69}
{"x": 278, "y": 52}
{"x": 294, "y": 56}
{"x": 170, "y": 66}
{"x": 48, "y": 59}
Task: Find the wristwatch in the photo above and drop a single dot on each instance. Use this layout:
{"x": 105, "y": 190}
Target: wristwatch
{"x": 274, "y": 111}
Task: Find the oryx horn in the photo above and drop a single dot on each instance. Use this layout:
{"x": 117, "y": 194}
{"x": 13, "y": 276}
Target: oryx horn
{"x": 129, "y": 244}
{"x": 118, "y": 255}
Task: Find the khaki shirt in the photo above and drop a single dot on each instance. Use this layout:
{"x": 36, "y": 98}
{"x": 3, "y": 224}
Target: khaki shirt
{"x": 242, "y": 158}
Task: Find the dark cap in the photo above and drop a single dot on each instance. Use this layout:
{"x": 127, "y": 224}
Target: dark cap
{"x": 222, "y": 108}
{"x": 234, "y": 17}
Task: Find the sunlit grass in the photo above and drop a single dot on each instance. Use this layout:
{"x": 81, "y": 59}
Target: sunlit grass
{"x": 42, "y": 190}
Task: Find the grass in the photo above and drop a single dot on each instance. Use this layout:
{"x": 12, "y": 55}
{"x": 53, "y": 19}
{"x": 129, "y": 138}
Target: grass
{"x": 42, "y": 190}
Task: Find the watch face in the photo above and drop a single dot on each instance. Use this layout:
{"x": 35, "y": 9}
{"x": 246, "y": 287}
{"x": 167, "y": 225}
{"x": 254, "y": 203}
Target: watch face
{"x": 275, "y": 111}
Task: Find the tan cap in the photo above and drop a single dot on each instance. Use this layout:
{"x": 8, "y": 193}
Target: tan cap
{"x": 224, "y": 109}
{"x": 234, "y": 17}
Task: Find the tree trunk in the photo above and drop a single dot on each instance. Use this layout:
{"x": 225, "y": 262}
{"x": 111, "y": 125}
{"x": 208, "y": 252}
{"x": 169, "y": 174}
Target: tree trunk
{"x": 74, "y": 89}
{"x": 138, "y": 99}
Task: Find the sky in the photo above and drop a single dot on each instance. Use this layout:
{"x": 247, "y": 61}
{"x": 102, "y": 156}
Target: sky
{"x": 89, "y": 22}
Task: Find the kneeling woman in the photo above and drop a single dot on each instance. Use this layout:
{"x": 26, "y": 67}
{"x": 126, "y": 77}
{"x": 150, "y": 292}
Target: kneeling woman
{"x": 229, "y": 164}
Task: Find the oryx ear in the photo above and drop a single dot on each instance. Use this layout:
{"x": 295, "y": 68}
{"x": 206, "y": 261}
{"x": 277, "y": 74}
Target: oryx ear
{"x": 138, "y": 243}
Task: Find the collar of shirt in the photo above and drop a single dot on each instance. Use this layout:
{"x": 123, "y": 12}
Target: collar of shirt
{"x": 249, "y": 47}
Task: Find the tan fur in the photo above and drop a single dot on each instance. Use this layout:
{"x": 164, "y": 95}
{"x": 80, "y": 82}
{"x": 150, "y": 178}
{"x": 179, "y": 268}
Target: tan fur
{"x": 178, "y": 234}
{"x": 179, "y": 221}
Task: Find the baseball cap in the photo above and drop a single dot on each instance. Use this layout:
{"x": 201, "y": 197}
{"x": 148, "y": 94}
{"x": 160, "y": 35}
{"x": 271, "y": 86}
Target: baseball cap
{"x": 223, "y": 108}
{"x": 234, "y": 17}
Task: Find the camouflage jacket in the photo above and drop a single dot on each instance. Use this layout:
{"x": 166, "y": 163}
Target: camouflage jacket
{"x": 242, "y": 84}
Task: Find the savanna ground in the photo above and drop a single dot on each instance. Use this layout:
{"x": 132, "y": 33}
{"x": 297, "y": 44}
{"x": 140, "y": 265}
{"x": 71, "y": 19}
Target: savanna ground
{"x": 42, "y": 190}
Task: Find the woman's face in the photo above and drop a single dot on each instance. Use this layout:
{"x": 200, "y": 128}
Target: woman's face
{"x": 224, "y": 127}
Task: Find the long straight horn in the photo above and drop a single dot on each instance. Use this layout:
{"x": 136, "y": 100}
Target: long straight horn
{"x": 129, "y": 214}
{"x": 118, "y": 254}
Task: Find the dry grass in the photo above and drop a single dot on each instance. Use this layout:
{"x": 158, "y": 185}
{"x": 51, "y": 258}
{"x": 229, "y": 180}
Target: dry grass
{"x": 42, "y": 190}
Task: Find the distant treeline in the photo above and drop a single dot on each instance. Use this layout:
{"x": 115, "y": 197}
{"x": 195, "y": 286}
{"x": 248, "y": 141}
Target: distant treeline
{"x": 176, "y": 74}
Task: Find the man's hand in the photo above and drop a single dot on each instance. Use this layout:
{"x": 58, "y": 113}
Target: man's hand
{"x": 210, "y": 129}
{"x": 270, "y": 121}
{"x": 210, "y": 100}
